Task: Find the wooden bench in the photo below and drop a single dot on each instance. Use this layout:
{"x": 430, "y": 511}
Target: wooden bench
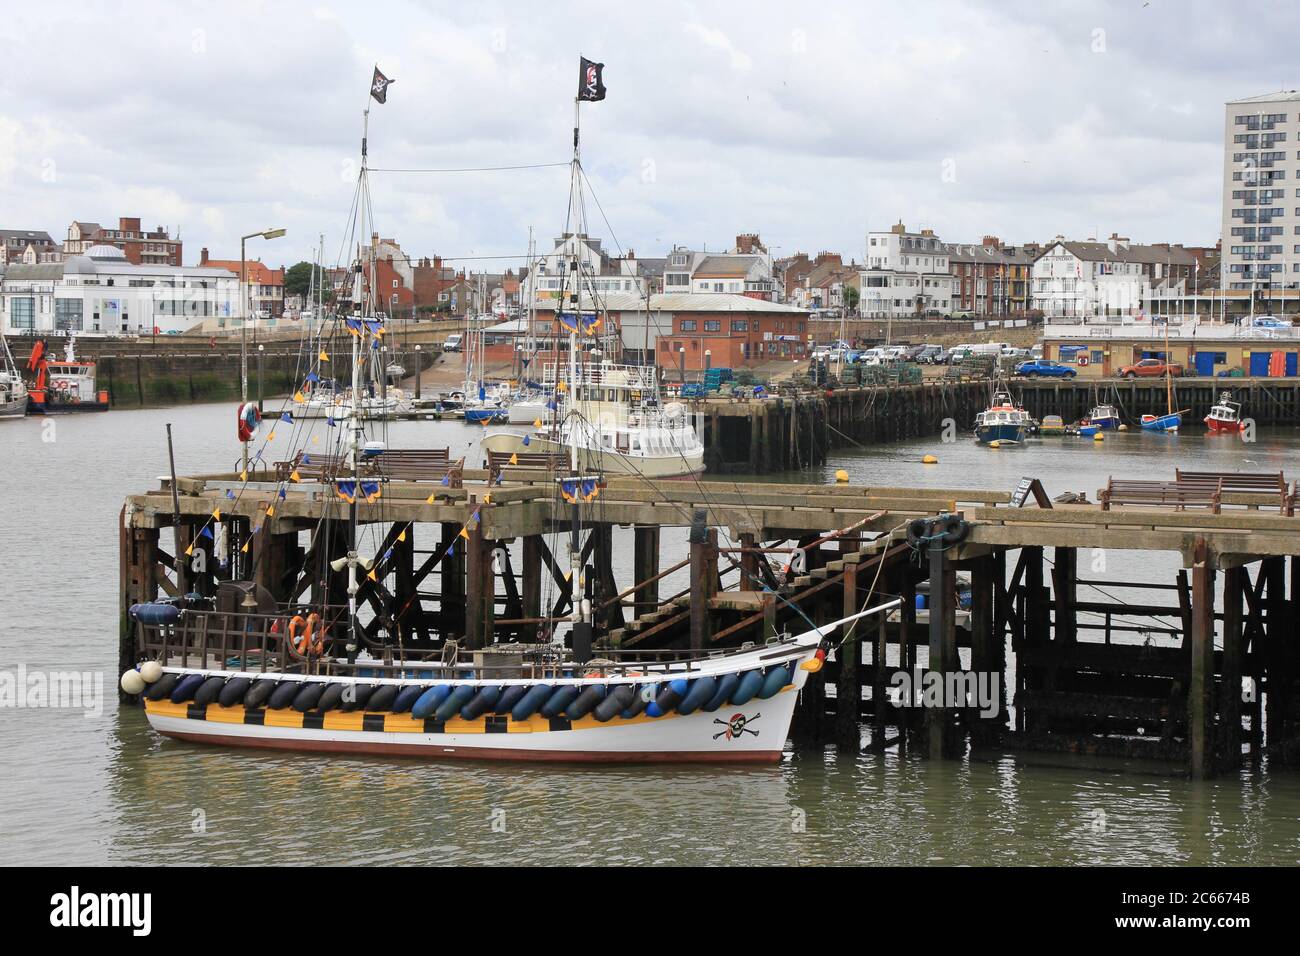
{"x": 419, "y": 464}
{"x": 552, "y": 462}
{"x": 1130, "y": 491}
{"x": 1250, "y": 482}
{"x": 319, "y": 467}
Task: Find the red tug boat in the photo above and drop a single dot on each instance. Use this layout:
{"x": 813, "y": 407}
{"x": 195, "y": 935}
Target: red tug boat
{"x": 60, "y": 387}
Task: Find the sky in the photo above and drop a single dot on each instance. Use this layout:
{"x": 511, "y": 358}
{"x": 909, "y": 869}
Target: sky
{"x": 806, "y": 123}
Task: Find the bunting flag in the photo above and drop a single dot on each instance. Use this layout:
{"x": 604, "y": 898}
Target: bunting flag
{"x": 569, "y": 490}
{"x": 446, "y": 482}
{"x": 205, "y": 533}
{"x": 189, "y": 550}
{"x": 216, "y": 514}
{"x": 299, "y": 397}
{"x": 287, "y": 417}
{"x": 295, "y": 476}
{"x": 370, "y": 489}
{"x": 270, "y": 437}
{"x": 371, "y": 575}
{"x": 589, "y": 489}
{"x": 353, "y": 326}
{"x": 283, "y": 494}
{"x": 306, "y": 459}
{"x": 401, "y": 536}
{"x": 329, "y": 420}
{"x": 244, "y": 549}
{"x": 312, "y": 376}
{"x": 537, "y": 423}
{"x": 464, "y": 533}
{"x": 315, "y": 439}
{"x": 591, "y": 80}
{"x": 584, "y": 322}
{"x": 243, "y": 475}
{"x": 514, "y": 459}
{"x": 270, "y": 511}
{"x": 323, "y": 357}
{"x": 431, "y": 499}
{"x": 347, "y": 490}
{"x": 561, "y": 387}
{"x": 374, "y": 327}
{"x": 500, "y": 478}
{"x": 487, "y": 498}
{"x": 379, "y": 85}
{"x": 525, "y": 441}
{"x": 552, "y": 405}
{"x": 230, "y": 494}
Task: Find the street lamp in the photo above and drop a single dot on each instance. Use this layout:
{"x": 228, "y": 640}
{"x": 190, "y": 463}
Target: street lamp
{"x": 243, "y": 322}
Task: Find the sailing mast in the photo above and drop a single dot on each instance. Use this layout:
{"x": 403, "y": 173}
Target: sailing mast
{"x": 582, "y": 628}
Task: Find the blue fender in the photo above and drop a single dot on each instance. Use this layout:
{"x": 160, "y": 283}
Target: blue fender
{"x": 701, "y": 692}
{"x": 751, "y": 682}
{"x": 186, "y": 688}
{"x": 481, "y": 703}
{"x": 776, "y": 678}
{"x": 727, "y": 685}
{"x": 527, "y": 706}
{"x": 586, "y": 700}
{"x": 460, "y": 695}
{"x": 430, "y": 701}
{"x": 562, "y": 697}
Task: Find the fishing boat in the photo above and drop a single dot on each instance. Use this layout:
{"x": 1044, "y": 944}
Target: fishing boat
{"x": 13, "y": 391}
{"x": 1003, "y": 421}
{"x": 1103, "y": 417}
{"x": 316, "y": 677}
{"x": 1225, "y": 415}
{"x": 1052, "y": 425}
{"x": 63, "y": 387}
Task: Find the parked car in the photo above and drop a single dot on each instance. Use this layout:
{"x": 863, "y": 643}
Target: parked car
{"x": 1036, "y": 368}
{"x": 912, "y": 353}
{"x": 1150, "y": 368}
{"x": 929, "y": 354}
{"x": 452, "y": 343}
{"x": 874, "y": 356}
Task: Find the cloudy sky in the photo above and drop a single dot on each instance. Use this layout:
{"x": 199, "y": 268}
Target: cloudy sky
{"x": 807, "y": 123}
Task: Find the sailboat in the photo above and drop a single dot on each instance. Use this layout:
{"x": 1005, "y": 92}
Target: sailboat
{"x": 321, "y": 682}
{"x": 1169, "y": 421}
{"x": 610, "y": 413}
{"x": 13, "y": 391}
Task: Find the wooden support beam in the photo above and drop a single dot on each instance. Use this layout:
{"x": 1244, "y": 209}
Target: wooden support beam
{"x": 645, "y": 565}
{"x": 1200, "y": 687}
{"x": 704, "y": 576}
{"x": 532, "y": 578}
{"x": 1234, "y": 647}
{"x": 943, "y": 642}
{"x": 848, "y": 690}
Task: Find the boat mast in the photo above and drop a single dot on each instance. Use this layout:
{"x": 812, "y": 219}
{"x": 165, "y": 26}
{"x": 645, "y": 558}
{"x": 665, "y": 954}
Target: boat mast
{"x": 581, "y": 615}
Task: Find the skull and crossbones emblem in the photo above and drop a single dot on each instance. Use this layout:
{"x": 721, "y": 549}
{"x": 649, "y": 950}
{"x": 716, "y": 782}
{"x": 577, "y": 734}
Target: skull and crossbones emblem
{"x": 736, "y": 726}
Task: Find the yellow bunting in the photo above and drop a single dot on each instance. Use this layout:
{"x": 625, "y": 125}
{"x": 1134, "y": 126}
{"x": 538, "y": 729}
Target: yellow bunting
{"x": 299, "y": 397}
{"x": 487, "y": 498}
{"x": 401, "y": 535}
{"x": 243, "y": 476}
{"x": 464, "y": 533}
{"x": 295, "y": 476}
{"x": 190, "y": 549}
{"x": 514, "y": 459}
{"x": 270, "y": 511}
{"x": 561, "y": 387}
{"x": 216, "y": 514}
{"x": 270, "y": 436}
{"x": 323, "y": 357}
{"x": 371, "y": 575}
{"x": 537, "y": 423}
{"x": 429, "y": 500}
{"x": 244, "y": 549}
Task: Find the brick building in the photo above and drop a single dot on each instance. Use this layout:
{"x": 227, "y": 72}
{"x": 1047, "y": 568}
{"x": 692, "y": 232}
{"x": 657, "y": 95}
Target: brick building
{"x": 141, "y": 247}
{"x": 265, "y": 285}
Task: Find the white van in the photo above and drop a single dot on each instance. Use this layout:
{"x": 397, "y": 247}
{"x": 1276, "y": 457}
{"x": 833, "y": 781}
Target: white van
{"x": 453, "y": 342}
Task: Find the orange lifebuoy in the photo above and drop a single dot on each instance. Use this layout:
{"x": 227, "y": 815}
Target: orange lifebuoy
{"x": 307, "y": 636}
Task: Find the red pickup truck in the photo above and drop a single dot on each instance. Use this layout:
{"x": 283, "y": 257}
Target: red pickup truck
{"x": 1150, "y": 367}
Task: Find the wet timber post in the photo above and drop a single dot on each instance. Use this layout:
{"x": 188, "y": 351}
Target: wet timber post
{"x": 1201, "y": 685}
{"x": 942, "y": 637}
{"x": 848, "y": 692}
{"x": 645, "y": 565}
{"x": 983, "y": 657}
{"x": 704, "y": 580}
{"x": 1228, "y": 748}
{"x": 532, "y": 572}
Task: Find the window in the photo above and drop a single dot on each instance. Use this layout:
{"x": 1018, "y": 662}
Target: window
{"x": 742, "y": 325}
{"x": 22, "y": 312}
{"x": 687, "y": 325}
{"x": 712, "y": 325}
{"x": 67, "y": 314}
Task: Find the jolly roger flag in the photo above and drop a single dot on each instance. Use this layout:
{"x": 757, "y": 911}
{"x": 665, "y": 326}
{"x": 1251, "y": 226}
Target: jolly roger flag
{"x": 591, "y": 81}
{"x": 379, "y": 86}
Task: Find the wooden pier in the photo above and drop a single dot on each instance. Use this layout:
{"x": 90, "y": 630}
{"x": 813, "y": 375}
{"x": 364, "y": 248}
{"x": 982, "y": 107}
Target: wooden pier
{"x": 477, "y": 561}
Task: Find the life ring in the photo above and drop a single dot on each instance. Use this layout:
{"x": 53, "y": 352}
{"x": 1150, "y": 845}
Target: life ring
{"x": 60, "y": 385}
{"x": 307, "y": 636}
{"x": 1081, "y": 360}
{"x": 250, "y": 420}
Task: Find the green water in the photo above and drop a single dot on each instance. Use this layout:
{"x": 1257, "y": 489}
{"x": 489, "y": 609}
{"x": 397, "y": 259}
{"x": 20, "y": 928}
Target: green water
{"x": 104, "y": 789}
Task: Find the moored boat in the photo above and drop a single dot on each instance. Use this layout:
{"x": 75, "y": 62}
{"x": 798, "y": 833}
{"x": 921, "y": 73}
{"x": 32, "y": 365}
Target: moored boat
{"x": 1225, "y": 416}
{"x": 64, "y": 386}
{"x": 1103, "y": 417}
{"x": 13, "y": 391}
{"x": 1052, "y": 425}
{"x": 1003, "y": 421}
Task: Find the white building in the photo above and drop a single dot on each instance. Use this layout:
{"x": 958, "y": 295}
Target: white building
{"x": 1260, "y": 229}
{"x": 605, "y": 274}
{"x": 745, "y": 269}
{"x": 1114, "y": 278}
{"x": 906, "y": 274}
{"x": 101, "y": 292}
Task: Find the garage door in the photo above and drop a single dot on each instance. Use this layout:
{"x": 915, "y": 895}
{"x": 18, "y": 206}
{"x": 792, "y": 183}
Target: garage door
{"x": 1205, "y": 363}
{"x": 1259, "y": 363}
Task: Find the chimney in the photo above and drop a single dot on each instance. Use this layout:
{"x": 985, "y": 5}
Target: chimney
{"x": 992, "y": 241}
{"x": 203, "y": 256}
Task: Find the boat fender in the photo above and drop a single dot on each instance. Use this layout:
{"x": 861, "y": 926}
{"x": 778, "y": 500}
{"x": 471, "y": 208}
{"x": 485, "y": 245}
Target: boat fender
{"x": 209, "y": 691}
{"x": 727, "y": 685}
{"x": 162, "y": 687}
{"x": 331, "y": 697}
{"x": 751, "y": 682}
{"x": 916, "y": 529}
{"x": 406, "y": 698}
{"x": 186, "y": 688}
{"x": 509, "y": 697}
{"x": 481, "y": 703}
{"x": 430, "y": 701}
{"x": 460, "y": 695}
{"x": 616, "y": 701}
{"x": 589, "y": 698}
{"x": 644, "y": 694}
{"x": 560, "y": 698}
{"x": 234, "y": 691}
{"x": 701, "y": 692}
{"x": 259, "y": 693}
{"x": 528, "y": 704}
{"x": 357, "y": 700}
{"x": 668, "y": 698}
{"x": 151, "y": 671}
{"x": 776, "y": 678}
{"x": 953, "y": 529}
{"x": 309, "y": 696}
{"x": 382, "y": 698}
{"x": 284, "y": 695}
{"x": 155, "y": 613}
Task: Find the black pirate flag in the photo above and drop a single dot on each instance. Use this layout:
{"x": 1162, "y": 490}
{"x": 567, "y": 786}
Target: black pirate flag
{"x": 591, "y": 81}
{"x": 379, "y": 86}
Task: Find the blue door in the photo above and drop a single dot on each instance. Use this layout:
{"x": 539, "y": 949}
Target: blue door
{"x": 1259, "y": 363}
{"x": 1291, "y": 363}
{"x": 1205, "y": 364}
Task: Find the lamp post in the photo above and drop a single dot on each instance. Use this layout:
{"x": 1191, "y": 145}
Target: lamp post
{"x": 243, "y": 322}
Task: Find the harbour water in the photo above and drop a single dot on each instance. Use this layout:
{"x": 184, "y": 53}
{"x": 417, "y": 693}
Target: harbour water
{"x": 81, "y": 788}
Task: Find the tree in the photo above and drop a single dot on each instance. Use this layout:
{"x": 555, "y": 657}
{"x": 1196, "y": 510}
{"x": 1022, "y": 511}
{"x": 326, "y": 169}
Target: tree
{"x": 297, "y": 279}
{"x": 851, "y": 297}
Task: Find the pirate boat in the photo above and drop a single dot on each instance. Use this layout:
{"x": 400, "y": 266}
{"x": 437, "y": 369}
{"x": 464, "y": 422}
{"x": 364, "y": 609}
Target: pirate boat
{"x": 236, "y": 668}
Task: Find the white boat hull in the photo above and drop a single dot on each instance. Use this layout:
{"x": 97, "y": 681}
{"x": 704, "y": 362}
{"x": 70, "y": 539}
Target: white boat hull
{"x": 17, "y": 408}
{"x": 684, "y": 465}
